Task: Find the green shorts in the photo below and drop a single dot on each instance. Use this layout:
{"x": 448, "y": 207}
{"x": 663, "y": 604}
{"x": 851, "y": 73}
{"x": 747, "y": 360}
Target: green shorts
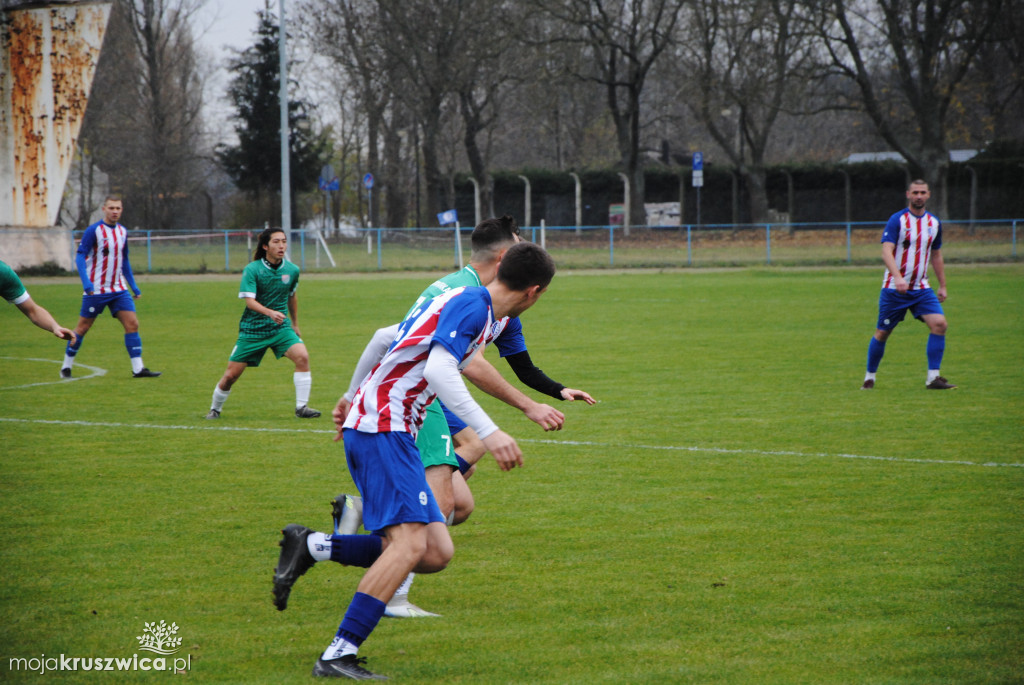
{"x": 435, "y": 440}
{"x": 250, "y": 351}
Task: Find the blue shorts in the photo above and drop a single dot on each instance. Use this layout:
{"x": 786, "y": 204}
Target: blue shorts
{"x": 455, "y": 424}
{"x": 386, "y": 468}
{"x": 93, "y": 305}
{"x": 893, "y": 306}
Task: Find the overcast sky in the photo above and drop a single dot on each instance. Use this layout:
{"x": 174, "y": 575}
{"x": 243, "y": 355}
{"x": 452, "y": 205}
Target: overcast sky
{"x": 230, "y": 23}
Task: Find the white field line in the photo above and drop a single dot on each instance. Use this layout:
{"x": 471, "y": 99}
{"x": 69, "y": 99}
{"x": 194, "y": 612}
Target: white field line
{"x": 571, "y": 443}
{"x": 94, "y": 372}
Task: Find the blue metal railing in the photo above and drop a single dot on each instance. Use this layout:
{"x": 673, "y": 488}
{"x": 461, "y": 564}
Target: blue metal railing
{"x": 153, "y": 239}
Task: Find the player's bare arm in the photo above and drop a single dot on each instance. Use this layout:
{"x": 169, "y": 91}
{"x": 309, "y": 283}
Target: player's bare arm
{"x": 889, "y": 259}
{"x": 339, "y": 414}
{"x": 504, "y": 449}
{"x": 939, "y": 266}
{"x": 276, "y": 316}
{"x": 293, "y": 312}
{"x": 43, "y": 319}
{"x": 484, "y": 376}
{"x": 441, "y": 372}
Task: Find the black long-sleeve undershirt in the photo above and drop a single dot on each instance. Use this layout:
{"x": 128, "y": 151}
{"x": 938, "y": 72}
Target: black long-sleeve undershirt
{"x": 532, "y": 377}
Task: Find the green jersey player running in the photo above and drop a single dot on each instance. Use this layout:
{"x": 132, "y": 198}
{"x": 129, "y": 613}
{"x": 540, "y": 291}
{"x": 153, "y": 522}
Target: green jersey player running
{"x": 450, "y": 449}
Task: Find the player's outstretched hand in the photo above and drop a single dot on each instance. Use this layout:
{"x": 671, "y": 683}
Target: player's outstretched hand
{"x": 571, "y": 394}
{"x": 65, "y": 334}
{"x": 340, "y": 412}
{"x": 545, "y": 416}
{"x": 505, "y": 450}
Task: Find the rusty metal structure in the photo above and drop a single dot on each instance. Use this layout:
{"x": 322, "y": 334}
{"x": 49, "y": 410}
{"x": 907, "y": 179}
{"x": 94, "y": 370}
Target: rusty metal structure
{"x": 48, "y": 56}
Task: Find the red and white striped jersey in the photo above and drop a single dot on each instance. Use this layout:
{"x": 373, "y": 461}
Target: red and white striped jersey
{"x": 394, "y": 396}
{"x": 915, "y": 237}
{"x": 103, "y": 247}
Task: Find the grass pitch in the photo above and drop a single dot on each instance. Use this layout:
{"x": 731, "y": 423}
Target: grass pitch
{"x": 734, "y": 510}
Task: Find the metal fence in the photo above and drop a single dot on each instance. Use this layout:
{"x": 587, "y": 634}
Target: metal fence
{"x": 392, "y": 249}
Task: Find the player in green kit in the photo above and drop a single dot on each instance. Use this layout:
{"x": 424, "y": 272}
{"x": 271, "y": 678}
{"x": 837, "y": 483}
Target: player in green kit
{"x": 268, "y": 287}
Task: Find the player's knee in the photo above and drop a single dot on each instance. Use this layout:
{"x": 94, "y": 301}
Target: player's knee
{"x": 463, "y": 511}
{"x": 939, "y": 327}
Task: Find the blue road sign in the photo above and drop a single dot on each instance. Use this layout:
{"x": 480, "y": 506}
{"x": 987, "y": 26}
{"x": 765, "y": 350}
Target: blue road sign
{"x": 368, "y": 181}
{"x": 698, "y": 161}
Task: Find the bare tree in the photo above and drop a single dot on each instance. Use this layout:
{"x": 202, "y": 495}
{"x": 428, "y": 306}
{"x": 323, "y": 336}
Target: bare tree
{"x": 745, "y": 62}
{"x": 491, "y": 64}
{"x": 909, "y": 59}
{"x": 623, "y": 39}
{"x": 350, "y": 34}
{"x": 422, "y": 42}
{"x": 144, "y": 126}
{"x": 170, "y": 93}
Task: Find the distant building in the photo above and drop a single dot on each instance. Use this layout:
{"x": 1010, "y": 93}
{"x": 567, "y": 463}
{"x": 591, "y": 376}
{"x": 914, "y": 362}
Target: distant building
{"x": 858, "y": 157}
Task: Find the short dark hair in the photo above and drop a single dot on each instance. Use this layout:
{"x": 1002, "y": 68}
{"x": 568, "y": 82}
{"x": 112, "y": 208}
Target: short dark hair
{"x": 917, "y": 182}
{"x": 263, "y": 241}
{"x": 112, "y": 198}
{"x": 492, "y": 234}
{"x": 525, "y": 265}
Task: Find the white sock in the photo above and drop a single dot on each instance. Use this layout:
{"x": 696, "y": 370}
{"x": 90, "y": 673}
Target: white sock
{"x": 319, "y": 546}
{"x": 406, "y": 585}
{"x": 137, "y": 364}
{"x": 869, "y": 376}
{"x": 303, "y": 383}
{"x": 932, "y": 375}
{"x": 339, "y": 647}
{"x": 219, "y": 397}
{"x": 69, "y": 361}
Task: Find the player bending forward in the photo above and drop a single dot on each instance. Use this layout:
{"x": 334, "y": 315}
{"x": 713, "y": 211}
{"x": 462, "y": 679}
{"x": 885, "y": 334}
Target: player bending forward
{"x": 434, "y": 343}
{"x": 448, "y": 469}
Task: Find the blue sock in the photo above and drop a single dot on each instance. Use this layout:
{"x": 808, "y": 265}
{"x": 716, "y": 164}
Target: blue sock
{"x": 356, "y": 550}
{"x": 133, "y": 343}
{"x": 72, "y": 350}
{"x": 463, "y": 465}
{"x": 362, "y": 616}
{"x": 936, "y": 346}
{"x": 876, "y": 349}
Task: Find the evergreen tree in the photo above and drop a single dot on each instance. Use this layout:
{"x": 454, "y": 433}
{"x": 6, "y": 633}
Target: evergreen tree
{"x": 255, "y": 163}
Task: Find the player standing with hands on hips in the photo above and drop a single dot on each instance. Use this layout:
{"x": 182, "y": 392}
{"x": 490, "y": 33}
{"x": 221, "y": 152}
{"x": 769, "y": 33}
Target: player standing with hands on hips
{"x": 912, "y": 238}
{"x": 106, "y": 273}
{"x": 268, "y": 287}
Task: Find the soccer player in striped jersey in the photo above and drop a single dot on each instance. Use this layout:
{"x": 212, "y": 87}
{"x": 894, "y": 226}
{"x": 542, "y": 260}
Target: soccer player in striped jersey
{"x": 268, "y": 287}
{"x": 448, "y": 447}
{"x": 13, "y": 290}
{"x": 434, "y": 343}
{"x": 912, "y": 240}
{"x": 106, "y": 273}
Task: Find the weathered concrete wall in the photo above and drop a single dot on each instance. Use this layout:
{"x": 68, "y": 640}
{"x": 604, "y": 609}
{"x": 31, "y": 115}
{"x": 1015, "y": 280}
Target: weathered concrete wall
{"x": 23, "y": 246}
{"x": 48, "y": 57}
